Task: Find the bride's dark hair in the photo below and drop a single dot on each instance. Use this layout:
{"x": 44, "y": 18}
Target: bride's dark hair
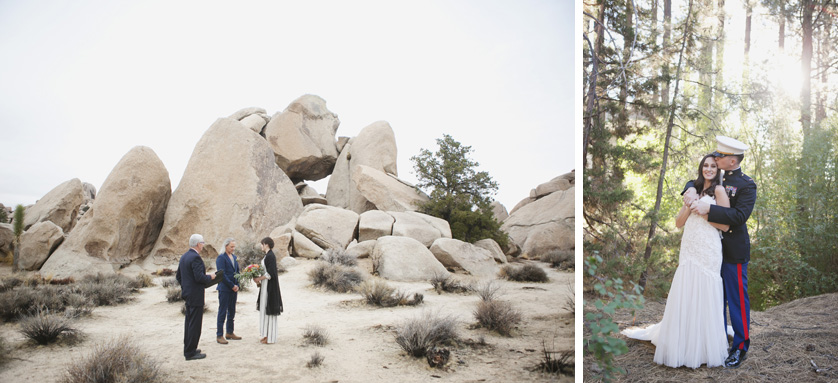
{"x": 699, "y": 182}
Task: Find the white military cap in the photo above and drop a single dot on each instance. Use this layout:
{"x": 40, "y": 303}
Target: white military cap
{"x": 726, "y": 146}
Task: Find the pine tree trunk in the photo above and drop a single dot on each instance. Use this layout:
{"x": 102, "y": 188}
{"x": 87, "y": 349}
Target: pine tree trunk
{"x": 806, "y": 71}
{"x": 652, "y": 228}
{"x": 667, "y": 33}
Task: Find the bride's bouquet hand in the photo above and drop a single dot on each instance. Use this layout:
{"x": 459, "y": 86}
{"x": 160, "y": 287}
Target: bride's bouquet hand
{"x": 249, "y": 273}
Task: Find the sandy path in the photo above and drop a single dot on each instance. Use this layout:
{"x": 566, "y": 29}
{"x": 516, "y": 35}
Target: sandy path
{"x": 361, "y": 346}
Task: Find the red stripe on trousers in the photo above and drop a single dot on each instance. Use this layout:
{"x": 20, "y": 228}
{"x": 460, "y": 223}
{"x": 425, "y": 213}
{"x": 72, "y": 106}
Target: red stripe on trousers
{"x": 742, "y": 305}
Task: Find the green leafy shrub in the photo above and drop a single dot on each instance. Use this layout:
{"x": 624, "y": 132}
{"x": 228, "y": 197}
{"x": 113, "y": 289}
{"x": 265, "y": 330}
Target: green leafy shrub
{"x": 603, "y": 342}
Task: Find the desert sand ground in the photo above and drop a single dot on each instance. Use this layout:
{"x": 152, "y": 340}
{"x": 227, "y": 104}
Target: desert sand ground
{"x": 361, "y": 346}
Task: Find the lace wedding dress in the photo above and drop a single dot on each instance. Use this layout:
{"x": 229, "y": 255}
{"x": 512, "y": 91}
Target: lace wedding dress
{"x": 692, "y": 331}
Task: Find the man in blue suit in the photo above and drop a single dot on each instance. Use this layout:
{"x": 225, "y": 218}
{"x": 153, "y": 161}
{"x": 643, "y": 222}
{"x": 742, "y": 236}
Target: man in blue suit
{"x": 736, "y": 243}
{"x": 228, "y": 290}
{"x": 193, "y": 279}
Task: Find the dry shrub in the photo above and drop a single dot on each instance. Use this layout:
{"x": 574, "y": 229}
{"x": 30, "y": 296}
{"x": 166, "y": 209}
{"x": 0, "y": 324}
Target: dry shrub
{"x": 416, "y": 336}
{"x": 169, "y": 282}
{"x": 569, "y": 302}
{"x": 62, "y": 281}
{"x": 525, "y": 273}
{"x": 119, "y": 360}
{"x": 446, "y": 283}
{"x": 144, "y": 280}
{"x": 316, "y": 360}
{"x": 497, "y": 316}
{"x": 78, "y": 305}
{"x": 339, "y": 257}
{"x": 173, "y": 294}
{"x": 487, "y": 290}
{"x": 316, "y": 335}
{"x": 10, "y": 282}
{"x": 45, "y": 328}
{"x": 559, "y": 259}
{"x": 379, "y": 293}
{"x": 556, "y": 362}
{"x": 164, "y": 272}
{"x": 50, "y": 297}
{"x": 17, "y": 302}
{"x": 335, "y": 277}
{"x": 34, "y": 280}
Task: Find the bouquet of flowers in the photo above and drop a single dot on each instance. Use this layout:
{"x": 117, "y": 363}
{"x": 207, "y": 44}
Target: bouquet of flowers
{"x": 249, "y": 273}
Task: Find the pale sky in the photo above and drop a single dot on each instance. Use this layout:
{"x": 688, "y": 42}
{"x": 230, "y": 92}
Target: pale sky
{"x": 83, "y": 82}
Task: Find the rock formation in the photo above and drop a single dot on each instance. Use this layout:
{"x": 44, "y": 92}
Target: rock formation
{"x": 328, "y": 227}
{"x": 405, "y": 259}
{"x": 124, "y": 221}
{"x": 545, "y": 223}
{"x": 375, "y": 146}
{"x": 60, "y": 206}
{"x": 231, "y": 188}
{"x": 37, "y": 243}
{"x": 303, "y": 139}
{"x": 386, "y": 192}
{"x": 453, "y": 253}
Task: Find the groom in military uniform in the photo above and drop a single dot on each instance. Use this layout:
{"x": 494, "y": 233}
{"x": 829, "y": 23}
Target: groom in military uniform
{"x": 736, "y": 244}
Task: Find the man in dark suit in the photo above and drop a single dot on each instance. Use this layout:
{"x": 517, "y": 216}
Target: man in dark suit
{"x": 228, "y": 290}
{"x": 736, "y": 244}
{"x": 193, "y": 279}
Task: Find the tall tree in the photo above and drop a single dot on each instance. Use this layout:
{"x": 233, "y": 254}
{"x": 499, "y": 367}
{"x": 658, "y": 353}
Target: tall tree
{"x": 653, "y": 227}
{"x": 459, "y": 194}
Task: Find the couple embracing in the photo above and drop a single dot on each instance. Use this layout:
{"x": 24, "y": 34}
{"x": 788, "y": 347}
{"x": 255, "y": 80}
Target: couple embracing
{"x": 712, "y": 269}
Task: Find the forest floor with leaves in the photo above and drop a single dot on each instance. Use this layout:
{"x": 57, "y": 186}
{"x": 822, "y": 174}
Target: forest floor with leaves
{"x": 795, "y": 341}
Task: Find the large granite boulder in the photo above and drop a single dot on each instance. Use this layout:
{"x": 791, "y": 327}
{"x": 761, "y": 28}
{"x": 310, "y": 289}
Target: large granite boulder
{"x": 373, "y": 224}
{"x": 231, "y": 188}
{"x": 374, "y": 146}
{"x": 7, "y": 240}
{"x": 37, "y": 244}
{"x": 60, "y": 206}
{"x": 309, "y": 195}
{"x": 303, "y": 138}
{"x": 543, "y": 225}
{"x": 385, "y": 191}
{"x": 405, "y": 259}
{"x": 252, "y": 118}
{"x": 361, "y": 249}
{"x": 421, "y": 227}
{"x": 493, "y": 248}
{"x": 499, "y": 211}
{"x": 304, "y": 247}
{"x": 328, "y": 227}
{"x": 125, "y": 219}
{"x": 454, "y": 253}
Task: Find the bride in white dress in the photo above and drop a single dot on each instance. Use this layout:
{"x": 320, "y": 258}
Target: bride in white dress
{"x": 692, "y": 330}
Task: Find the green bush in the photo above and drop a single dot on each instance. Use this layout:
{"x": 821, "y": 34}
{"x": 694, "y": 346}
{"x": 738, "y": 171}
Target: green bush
{"x": 603, "y": 342}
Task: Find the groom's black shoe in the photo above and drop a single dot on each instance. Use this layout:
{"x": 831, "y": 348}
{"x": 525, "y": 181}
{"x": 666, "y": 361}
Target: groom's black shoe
{"x": 735, "y": 358}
